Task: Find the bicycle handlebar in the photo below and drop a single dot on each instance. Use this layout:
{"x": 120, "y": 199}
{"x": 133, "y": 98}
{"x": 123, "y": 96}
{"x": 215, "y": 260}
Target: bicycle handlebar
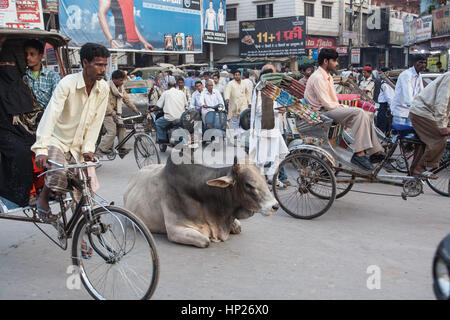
{"x": 71, "y": 166}
{"x": 140, "y": 115}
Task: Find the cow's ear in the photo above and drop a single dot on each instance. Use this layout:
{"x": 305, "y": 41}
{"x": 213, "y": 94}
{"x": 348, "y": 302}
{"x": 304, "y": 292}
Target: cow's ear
{"x": 222, "y": 182}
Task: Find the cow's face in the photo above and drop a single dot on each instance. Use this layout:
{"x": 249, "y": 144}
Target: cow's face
{"x": 250, "y": 187}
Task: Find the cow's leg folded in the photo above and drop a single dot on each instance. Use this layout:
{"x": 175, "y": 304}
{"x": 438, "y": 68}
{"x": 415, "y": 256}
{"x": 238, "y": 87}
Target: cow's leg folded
{"x": 188, "y": 236}
{"x": 235, "y": 227}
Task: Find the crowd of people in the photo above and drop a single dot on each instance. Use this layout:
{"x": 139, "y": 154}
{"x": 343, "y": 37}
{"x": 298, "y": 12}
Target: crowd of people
{"x": 57, "y": 119}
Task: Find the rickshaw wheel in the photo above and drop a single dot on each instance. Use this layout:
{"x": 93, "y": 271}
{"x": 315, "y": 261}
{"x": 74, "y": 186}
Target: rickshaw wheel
{"x": 304, "y": 173}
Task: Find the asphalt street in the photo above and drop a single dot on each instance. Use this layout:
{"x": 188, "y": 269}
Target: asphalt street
{"x": 276, "y": 257}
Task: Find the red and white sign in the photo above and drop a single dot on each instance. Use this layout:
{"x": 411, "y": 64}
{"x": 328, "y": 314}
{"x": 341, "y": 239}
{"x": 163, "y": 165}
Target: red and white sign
{"x": 342, "y": 50}
{"x": 356, "y": 56}
{"x": 319, "y": 43}
{"x": 21, "y": 14}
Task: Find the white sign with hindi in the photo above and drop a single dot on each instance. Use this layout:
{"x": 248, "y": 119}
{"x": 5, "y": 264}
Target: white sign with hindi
{"x": 21, "y": 14}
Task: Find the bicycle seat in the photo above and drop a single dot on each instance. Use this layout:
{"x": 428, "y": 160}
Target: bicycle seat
{"x": 402, "y": 129}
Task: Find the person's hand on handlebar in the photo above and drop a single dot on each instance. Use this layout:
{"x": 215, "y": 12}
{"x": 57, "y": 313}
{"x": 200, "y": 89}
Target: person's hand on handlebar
{"x": 89, "y": 156}
{"x": 444, "y": 131}
{"x": 41, "y": 161}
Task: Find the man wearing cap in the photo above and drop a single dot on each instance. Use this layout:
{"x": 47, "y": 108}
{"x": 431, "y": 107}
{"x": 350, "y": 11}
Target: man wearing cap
{"x": 367, "y": 84}
{"x": 408, "y": 86}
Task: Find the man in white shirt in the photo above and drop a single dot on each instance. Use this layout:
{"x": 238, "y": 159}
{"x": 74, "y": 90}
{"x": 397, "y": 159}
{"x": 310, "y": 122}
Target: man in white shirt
{"x": 238, "y": 97}
{"x": 408, "y": 86}
{"x": 247, "y": 81}
{"x": 69, "y": 128}
{"x": 384, "y": 118}
{"x": 430, "y": 114}
{"x": 174, "y": 103}
{"x": 196, "y": 99}
{"x": 367, "y": 84}
{"x": 210, "y": 98}
{"x": 210, "y": 18}
{"x": 206, "y": 78}
{"x": 187, "y": 92}
{"x": 218, "y": 84}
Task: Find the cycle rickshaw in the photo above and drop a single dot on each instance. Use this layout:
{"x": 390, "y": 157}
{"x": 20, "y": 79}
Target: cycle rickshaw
{"x": 113, "y": 252}
{"x": 318, "y": 165}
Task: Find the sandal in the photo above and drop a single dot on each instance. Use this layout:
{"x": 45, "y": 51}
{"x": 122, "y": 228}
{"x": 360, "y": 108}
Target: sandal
{"x": 45, "y": 216}
{"x": 86, "y": 251}
{"x": 426, "y": 174}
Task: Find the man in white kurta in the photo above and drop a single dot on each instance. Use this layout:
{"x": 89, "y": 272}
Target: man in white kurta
{"x": 210, "y": 18}
{"x": 267, "y": 146}
{"x": 238, "y": 98}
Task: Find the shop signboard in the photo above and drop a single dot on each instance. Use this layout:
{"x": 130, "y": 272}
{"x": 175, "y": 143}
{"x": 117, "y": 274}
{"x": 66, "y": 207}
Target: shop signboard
{"x": 273, "y": 37}
{"x": 356, "y": 56}
{"x": 157, "y": 26}
{"x": 441, "y": 21}
{"x": 423, "y": 27}
{"x": 343, "y": 51}
{"x": 214, "y": 21}
{"x": 21, "y": 14}
{"x": 319, "y": 43}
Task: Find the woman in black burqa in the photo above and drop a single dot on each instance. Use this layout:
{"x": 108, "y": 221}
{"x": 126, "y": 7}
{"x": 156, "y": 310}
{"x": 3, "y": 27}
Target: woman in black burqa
{"x": 19, "y": 115}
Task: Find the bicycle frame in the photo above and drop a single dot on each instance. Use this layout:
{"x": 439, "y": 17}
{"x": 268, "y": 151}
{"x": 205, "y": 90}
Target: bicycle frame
{"x": 324, "y": 130}
{"x": 84, "y": 207}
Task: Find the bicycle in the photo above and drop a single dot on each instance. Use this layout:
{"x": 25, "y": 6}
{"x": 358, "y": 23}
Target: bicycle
{"x": 120, "y": 244}
{"x": 145, "y": 150}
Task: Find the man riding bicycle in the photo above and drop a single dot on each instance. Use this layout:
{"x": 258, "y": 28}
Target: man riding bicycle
{"x": 71, "y": 122}
{"x": 117, "y": 96}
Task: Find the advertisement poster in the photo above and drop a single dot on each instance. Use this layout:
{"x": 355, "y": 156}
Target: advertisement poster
{"x": 21, "y": 14}
{"x": 51, "y": 5}
{"x": 273, "y": 37}
{"x": 159, "y": 26}
{"x": 441, "y": 21}
{"x": 423, "y": 28}
{"x": 214, "y": 21}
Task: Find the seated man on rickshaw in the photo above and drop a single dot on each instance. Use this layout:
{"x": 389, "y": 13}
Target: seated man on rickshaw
{"x": 321, "y": 96}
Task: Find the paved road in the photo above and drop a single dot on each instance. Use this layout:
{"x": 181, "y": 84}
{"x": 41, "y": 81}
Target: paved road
{"x": 275, "y": 257}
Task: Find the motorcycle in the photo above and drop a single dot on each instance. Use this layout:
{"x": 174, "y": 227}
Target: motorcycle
{"x": 177, "y": 136}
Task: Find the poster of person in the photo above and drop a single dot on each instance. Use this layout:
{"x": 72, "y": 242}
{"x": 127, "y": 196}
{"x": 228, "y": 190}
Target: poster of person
{"x": 132, "y": 25}
{"x": 179, "y": 41}
{"x": 189, "y": 43}
{"x": 21, "y": 14}
{"x": 214, "y": 21}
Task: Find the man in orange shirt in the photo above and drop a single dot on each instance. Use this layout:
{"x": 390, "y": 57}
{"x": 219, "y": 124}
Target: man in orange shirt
{"x": 321, "y": 96}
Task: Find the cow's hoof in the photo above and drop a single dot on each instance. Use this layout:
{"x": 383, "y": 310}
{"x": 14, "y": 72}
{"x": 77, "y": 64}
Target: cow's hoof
{"x": 235, "y": 227}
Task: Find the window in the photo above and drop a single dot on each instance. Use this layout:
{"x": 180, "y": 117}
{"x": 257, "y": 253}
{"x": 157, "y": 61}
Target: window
{"x": 309, "y": 9}
{"x": 326, "y": 12}
{"x": 231, "y": 14}
{"x": 264, "y": 11}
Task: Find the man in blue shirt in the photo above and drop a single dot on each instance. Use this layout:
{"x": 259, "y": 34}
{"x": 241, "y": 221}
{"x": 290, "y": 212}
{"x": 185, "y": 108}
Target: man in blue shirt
{"x": 190, "y": 81}
{"x": 138, "y": 75}
{"x": 41, "y": 80}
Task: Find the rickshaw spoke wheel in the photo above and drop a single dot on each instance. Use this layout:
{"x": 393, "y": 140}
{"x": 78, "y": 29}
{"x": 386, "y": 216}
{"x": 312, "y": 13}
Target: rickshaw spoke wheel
{"x": 304, "y": 173}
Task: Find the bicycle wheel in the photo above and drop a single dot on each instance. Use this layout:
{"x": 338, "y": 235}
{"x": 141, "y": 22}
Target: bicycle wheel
{"x": 124, "y": 263}
{"x": 145, "y": 151}
{"x": 305, "y": 172}
{"x": 344, "y": 183}
{"x": 398, "y": 161}
{"x": 442, "y": 184}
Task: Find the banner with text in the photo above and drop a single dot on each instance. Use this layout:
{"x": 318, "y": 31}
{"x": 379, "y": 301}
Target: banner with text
{"x": 273, "y": 37}
{"x": 21, "y": 14}
{"x": 134, "y": 25}
{"x": 214, "y": 21}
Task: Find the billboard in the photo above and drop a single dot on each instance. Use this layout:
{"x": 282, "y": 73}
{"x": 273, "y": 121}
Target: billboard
{"x": 159, "y": 26}
{"x": 272, "y": 37}
{"x": 21, "y": 14}
{"x": 441, "y": 21}
{"x": 214, "y": 21}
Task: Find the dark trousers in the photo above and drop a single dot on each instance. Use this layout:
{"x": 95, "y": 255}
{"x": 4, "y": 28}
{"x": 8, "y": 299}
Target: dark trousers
{"x": 384, "y": 118}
